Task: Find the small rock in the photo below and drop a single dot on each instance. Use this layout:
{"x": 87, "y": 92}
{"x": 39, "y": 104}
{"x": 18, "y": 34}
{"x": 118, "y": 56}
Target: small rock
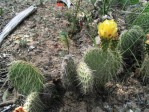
{"x": 31, "y": 48}
{"x": 98, "y": 40}
{"x": 26, "y": 36}
{"x": 5, "y": 55}
{"x": 130, "y": 110}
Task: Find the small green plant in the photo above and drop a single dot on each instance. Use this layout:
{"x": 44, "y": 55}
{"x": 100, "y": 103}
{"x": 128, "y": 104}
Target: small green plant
{"x": 63, "y": 36}
{"x": 25, "y": 77}
{"x": 33, "y": 103}
{"x": 77, "y": 9}
{"x": 86, "y": 78}
{"x": 105, "y": 65}
{"x": 1, "y": 11}
{"x": 23, "y": 43}
{"x": 103, "y": 6}
{"x": 72, "y": 17}
{"x": 131, "y": 45}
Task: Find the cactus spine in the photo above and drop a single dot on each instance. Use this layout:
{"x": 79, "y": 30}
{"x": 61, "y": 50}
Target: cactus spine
{"x": 25, "y": 77}
{"x": 85, "y": 77}
{"x": 33, "y": 103}
{"x": 69, "y": 72}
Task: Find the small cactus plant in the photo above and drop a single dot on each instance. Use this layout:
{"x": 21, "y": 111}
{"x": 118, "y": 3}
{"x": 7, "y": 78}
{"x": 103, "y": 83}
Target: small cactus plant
{"x": 25, "y": 77}
{"x": 68, "y": 72}
{"x": 85, "y": 77}
{"x": 131, "y": 45}
{"x": 105, "y": 65}
{"x": 33, "y": 103}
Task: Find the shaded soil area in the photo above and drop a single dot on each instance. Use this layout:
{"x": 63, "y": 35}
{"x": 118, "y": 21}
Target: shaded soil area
{"x": 43, "y": 49}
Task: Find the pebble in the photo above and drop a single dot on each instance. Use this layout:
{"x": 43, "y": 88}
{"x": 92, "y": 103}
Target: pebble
{"x": 31, "y": 48}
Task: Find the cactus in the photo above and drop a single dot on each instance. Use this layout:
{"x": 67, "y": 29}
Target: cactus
{"x": 33, "y": 103}
{"x": 145, "y": 67}
{"x": 49, "y": 99}
{"x": 131, "y": 45}
{"x": 132, "y": 12}
{"x": 143, "y": 21}
{"x": 51, "y": 96}
{"x": 105, "y": 65}
{"x": 25, "y": 77}
{"x": 68, "y": 72}
{"x": 85, "y": 77}
{"x": 138, "y": 16}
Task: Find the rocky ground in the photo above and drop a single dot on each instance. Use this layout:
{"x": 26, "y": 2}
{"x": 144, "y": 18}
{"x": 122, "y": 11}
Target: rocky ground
{"x": 43, "y": 49}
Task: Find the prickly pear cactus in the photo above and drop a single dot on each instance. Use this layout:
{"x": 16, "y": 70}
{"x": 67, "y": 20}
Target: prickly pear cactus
{"x": 131, "y": 45}
{"x": 33, "y": 103}
{"x": 105, "y": 65}
{"x": 52, "y": 96}
{"x": 143, "y": 21}
{"x": 68, "y": 72}
{"x": 85, "y": 77}
{"x": 138, "y": 18}
{"x": 25, "y": 77}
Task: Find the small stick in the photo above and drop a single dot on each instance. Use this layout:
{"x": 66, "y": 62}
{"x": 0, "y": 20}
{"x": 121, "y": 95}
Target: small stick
{"x": 10, "y": 102}
{"x": 15, "y": 21}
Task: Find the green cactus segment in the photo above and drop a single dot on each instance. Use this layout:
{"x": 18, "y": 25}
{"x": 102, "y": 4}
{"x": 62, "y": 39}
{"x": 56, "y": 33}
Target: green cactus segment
{"x": 145, "y": 67}
{"x": 140, "y": 20}
{"x": 105, "y": 65}
{"x": 131, "y": 44}
{"x": 85, "y": 77}
{"x": 138, "y": 16}
{"x": 68, "y": 72}
{"x": 25, "y": 77}
{"x": 33, "y": 103}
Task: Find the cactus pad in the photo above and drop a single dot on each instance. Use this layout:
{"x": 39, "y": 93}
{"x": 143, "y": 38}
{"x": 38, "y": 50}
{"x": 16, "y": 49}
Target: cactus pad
{"x": 25, "y": 77}
{"x": 105, "y": 65}
{"x": 85, "y": 77}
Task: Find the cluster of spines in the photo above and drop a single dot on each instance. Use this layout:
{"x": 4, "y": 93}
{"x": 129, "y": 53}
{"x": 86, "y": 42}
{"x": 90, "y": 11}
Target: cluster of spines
{"x": 85, "y": 77}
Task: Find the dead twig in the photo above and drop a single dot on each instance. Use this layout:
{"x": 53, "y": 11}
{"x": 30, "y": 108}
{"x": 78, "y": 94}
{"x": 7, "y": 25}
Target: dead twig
{"x": 15, "y": 21}
{"x": 10, "y": 102}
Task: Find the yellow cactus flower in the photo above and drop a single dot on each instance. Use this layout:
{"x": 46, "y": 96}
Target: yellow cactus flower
{"x": 147, "y": 42}
{"x": 107, "y": 29}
